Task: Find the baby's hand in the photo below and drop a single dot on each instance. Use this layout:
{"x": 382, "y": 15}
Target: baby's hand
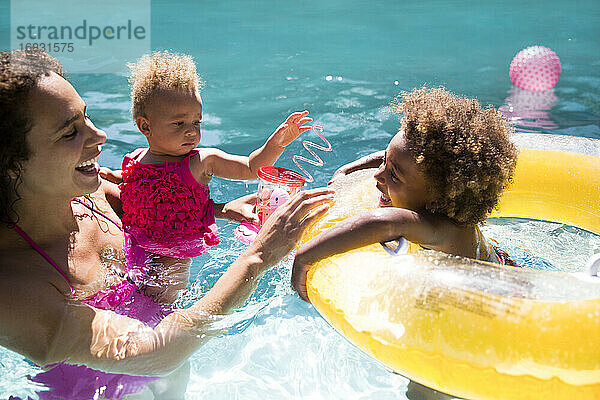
{"x": 241, "y": 210}
{"x": 287, "y": 132}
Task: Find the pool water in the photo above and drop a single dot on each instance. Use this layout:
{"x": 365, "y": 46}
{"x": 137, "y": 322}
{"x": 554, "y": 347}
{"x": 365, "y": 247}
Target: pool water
{"x": 278, "y": 347}
{"x": 543, "y": 245}
{"x": 343, "y": 60}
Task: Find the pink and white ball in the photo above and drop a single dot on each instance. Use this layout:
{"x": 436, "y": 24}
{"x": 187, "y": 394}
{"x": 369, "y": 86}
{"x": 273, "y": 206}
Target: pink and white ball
{"x": 535, "y": 68}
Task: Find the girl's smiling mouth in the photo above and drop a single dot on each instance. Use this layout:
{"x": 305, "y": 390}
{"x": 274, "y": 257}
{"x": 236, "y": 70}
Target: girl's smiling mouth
{"x": 384, "y": 199}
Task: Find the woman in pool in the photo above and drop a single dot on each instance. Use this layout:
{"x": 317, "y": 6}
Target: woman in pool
{"x": 439, "y": 178}
{"x": 65, "y": 294}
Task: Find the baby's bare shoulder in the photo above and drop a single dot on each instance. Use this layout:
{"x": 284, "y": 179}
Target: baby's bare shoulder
{"x": 201, "y": 164}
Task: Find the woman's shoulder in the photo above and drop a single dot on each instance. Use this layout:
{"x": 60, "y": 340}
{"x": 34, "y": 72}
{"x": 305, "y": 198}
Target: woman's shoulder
{"x": 34, "y": 299}
{"x": 24, "y": 278}
{"x": 22, "y": 269}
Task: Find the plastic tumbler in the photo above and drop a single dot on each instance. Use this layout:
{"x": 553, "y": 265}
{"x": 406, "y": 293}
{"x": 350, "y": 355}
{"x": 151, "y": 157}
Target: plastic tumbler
{"x": 275, "y": 187}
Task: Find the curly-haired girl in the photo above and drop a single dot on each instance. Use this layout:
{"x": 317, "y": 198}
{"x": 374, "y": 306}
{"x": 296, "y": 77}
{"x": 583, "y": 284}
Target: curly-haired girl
{"x": 441, "y": 175}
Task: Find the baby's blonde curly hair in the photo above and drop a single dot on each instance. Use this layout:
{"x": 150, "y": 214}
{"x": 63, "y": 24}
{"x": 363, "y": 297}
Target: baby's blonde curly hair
{"x": 462, "y": 148}
{"x": 160, "y": 71}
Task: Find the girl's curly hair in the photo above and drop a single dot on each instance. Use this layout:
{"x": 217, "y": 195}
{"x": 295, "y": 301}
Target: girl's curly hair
{"x": 464, "y": 151}
{"x": 19, "y": 73}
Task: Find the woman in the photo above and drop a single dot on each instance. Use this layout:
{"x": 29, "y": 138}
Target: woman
{"x": 62, "y": 281}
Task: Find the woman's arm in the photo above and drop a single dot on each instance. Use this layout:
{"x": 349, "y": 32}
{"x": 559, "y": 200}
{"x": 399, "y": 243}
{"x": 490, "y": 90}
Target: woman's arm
{"x": 372, "y": 160}
{"x": 113, "y": 343}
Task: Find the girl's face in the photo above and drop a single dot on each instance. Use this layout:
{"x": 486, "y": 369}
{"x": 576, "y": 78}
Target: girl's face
{"x": 172, "y": 125}
{"x": 400, "y": 179}
{"x": 64, "y": 143}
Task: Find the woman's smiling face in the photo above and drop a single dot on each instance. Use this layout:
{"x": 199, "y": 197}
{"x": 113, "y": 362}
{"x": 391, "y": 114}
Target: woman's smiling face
{"x": 400, "y": 180}
{"x": 64, "y": 143}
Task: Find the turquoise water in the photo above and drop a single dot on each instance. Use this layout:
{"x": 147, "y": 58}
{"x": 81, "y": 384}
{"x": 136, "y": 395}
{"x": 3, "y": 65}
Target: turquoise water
{"x": 343, "y": 61}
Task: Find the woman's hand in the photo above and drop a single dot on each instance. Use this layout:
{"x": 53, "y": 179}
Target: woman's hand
{"x": 114, "y": 176}
{"x": 284, "y": 228}
{"x": 278, "y": 236}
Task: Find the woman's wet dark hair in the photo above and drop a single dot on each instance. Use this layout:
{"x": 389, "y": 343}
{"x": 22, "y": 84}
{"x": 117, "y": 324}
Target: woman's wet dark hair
{"x": 19, "y": 73}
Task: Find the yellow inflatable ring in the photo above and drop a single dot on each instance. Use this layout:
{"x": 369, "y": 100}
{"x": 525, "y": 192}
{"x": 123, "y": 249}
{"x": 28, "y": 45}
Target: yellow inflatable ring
{"x": 468, "y": 328}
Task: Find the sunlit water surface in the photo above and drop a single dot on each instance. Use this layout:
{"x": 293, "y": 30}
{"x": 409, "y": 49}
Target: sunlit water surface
{"x": 343, "y": 61}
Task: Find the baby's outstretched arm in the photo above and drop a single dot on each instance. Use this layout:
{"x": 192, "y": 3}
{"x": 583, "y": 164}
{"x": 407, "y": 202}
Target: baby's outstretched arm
{"x": 380, "y": 225}
{"x": 218, "y": 163}
{"x": 285, "y": 134}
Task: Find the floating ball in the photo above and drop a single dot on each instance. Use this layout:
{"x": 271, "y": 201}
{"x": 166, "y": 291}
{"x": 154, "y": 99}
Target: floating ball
{"x": 535, "y": 68}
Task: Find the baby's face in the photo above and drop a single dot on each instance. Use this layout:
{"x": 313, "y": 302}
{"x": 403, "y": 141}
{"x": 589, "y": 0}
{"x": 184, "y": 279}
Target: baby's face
{"x": 174, "y": 118}
{"x": 399, "y": 178}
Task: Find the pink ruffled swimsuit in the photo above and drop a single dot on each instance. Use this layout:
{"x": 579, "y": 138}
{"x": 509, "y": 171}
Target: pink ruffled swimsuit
{"x": 166, "y": 209}
{"x": 68, "y": 381}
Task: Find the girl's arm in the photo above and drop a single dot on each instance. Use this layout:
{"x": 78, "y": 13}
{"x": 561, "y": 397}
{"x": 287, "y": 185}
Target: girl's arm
{"x": 372, "y": 160}
{"x": 374, "y": 226}
{"x": 218, "y": 163}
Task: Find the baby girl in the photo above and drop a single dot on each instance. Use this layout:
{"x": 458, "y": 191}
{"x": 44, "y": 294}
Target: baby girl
{"x": 167, "y": 209}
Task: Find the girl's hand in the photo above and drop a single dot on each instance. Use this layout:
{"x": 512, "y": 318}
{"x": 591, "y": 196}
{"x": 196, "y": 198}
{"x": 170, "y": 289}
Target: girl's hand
{"x": 284, "y": 228}
{"x": 287, "y": 132}
{"x": 299, "y": 272}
